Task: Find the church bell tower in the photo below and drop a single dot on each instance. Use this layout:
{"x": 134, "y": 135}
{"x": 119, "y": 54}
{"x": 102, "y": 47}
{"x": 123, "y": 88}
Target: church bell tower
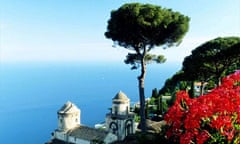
{"x": 68, "y": 116}
{"x": 120, "y": 121}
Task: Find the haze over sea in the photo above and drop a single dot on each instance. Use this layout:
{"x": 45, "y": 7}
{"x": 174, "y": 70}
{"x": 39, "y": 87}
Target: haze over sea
{"x": 31, "y": 94}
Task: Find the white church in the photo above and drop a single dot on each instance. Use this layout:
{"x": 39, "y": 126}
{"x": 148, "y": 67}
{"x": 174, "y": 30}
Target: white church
{"x": 119, "y": 124}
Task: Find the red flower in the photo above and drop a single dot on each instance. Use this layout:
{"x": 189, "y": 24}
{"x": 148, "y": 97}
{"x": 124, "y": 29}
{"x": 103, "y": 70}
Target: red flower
{"x": 186, "y": 138}
{"x": 202, "y": 137}
{"x": 222, "y": 121}
{"x": 229, "y": 134}
{"x": 191, "y": 120}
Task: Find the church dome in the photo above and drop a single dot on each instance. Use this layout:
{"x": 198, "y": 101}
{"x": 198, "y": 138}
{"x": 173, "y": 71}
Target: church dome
{"x": 68, "y": 108}
{"x": 121, "y": 97}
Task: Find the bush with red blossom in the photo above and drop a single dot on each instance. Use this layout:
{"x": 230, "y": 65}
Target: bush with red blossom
{"x": 210, "y": 118}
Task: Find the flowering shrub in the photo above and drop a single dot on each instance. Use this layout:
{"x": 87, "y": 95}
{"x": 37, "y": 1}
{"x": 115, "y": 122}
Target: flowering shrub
{"x": 210, "y": 118}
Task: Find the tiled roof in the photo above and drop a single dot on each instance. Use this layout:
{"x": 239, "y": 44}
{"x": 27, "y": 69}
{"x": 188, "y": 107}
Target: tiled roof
{"x": 121, "y": 97}
{"x": 68, "y": 108}
{"x": 87, "y": 133}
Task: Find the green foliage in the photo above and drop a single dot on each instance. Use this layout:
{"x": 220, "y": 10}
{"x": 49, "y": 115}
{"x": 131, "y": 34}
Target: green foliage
{"x": 136, "y": 25}
{"x": 137, "y": 118}
{"x": 156, "y": 58}
{"x": 173, "y": 84}
{"x": 156, "y": 99}
{"x": 211, "y": 84}
{"x": 208, "y": 63}
{"x": 154, "y": 93}
{"x": 217, "y": 138}
{"x": 164, "y": 106}
{"x": 136, "y": 110}
{"x": 213, "y": 59}
{"x": 141, "y": 27}
{"x": 135, "y": 59}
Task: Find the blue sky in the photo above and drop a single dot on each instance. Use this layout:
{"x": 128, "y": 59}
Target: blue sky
{"x": 73, "y": 30}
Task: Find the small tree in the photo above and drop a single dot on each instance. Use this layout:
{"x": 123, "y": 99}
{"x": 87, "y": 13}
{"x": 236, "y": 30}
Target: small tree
{"x": 141, "y": 27}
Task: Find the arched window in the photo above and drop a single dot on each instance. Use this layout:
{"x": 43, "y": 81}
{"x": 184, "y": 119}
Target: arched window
{"x": 128, "y": 127}
{"x": 114, "y": 127}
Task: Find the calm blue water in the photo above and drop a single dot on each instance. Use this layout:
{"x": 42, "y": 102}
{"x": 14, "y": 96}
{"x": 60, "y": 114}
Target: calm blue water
{"x": 31, "y": 94}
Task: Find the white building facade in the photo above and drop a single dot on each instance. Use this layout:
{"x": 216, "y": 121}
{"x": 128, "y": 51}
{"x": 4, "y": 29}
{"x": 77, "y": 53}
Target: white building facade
{"x": 68, "y": 116}
{"x": 119, "y": 124}
{"x": 71, "y": 131}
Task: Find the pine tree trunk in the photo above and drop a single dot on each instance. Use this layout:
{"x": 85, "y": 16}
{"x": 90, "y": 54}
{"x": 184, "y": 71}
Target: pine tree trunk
{"x": 192, "y": 90}
{"x": 142, "y": 96}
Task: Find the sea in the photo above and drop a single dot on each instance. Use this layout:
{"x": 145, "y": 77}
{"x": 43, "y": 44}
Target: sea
{"x": 32, "y": 93}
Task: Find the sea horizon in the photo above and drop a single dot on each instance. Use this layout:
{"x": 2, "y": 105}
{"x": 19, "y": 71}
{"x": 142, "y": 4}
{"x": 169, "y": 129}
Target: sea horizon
{"x": 32, "y": 93}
